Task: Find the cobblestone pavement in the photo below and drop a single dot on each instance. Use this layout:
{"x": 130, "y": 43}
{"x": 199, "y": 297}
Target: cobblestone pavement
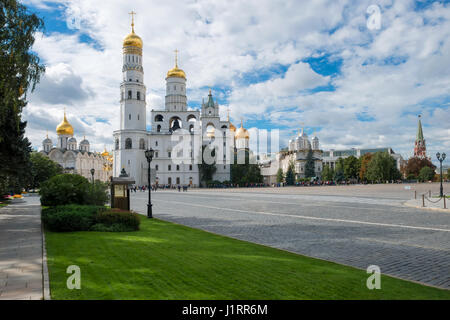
{"x": 21, "y": 251}
{"x": 405, "y": 242}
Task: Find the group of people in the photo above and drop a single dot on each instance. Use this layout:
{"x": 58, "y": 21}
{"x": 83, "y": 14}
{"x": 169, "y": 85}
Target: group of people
{"x": 155, "y": 187}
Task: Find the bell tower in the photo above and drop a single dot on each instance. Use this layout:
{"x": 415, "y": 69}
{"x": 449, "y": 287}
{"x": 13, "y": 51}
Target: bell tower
{"x": 132, "y": 96}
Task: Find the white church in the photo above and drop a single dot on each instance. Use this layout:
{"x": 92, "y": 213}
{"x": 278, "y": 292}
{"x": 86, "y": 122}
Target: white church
{"x": 170, "y": 127}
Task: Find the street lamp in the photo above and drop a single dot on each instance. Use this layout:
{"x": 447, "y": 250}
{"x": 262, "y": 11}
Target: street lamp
{"x": 92, "y": 173}
{"x": 149, "y": 155}
{"x": 441, "y": 159}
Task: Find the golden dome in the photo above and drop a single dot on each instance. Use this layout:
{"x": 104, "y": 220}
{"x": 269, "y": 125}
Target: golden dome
{"x": 105, "y": 153}
{"x": 175, "y": 71}
{"x": 64, "y": 128}
{"x": 242, "y": 133}
{"x": 232, "y": 127}
{"x": 133, "y": 40}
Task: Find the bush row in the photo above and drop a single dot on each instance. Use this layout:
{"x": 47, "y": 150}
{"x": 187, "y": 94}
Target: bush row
{"x": 88, "y": 218}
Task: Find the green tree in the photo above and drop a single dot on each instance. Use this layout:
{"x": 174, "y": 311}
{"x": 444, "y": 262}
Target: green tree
{"x": 207, "y": 165}
{"x": 426, "y": 174}
{"x": 247, "y": 172}
{"x": 382, "y": 167}
{"x": 42, "y": 169}
{"x": 327, "y": 173}
{"x": 310, "y": 171}
{"x": 448, "y": 173}
{"x": 280, "y": 175}
{"x": 339, "y": 171}
{"x": 20, "y": 70}
{"x": 351, "y": 167}
{"x": 290, "y": 174}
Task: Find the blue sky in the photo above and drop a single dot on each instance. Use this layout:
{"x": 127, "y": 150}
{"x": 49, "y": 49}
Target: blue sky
{"x": 317, "y": 64}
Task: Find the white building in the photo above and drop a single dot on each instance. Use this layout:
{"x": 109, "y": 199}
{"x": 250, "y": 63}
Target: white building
{"x": 76, "y": 159}
{"x": 171, "y": 127}
{"x": 297, "y": 153}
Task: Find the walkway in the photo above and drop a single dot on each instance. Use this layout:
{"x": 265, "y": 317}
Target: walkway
{"x": 21, "y": 251}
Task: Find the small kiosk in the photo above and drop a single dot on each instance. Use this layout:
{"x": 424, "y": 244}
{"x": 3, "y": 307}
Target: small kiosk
{"x": 120, "y": 192}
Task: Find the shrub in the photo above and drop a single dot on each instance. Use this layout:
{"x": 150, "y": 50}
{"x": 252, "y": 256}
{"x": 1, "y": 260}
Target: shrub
{"x": 116, "y": 220}
{"x": 72, "y": 189}
{"x": 70, "y": 217}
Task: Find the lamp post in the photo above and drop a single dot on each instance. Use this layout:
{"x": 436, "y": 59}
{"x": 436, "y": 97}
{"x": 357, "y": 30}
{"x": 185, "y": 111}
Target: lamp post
{"x": 441, "y": 159}
{"x": 149, "y": 155}
{"x": 92, "y": 173}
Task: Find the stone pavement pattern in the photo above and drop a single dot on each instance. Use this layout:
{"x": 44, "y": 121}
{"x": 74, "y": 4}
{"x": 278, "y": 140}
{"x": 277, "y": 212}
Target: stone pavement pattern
{"x": 359, "y": 231}
{"x": 21, "y": 251}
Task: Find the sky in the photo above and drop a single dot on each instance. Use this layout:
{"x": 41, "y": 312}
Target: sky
{"x": 355, "y": 73}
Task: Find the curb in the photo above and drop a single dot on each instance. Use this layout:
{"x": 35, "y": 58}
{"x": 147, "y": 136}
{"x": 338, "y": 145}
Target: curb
{"x": 45, "y": 278}
{"x": 406, "y": 204}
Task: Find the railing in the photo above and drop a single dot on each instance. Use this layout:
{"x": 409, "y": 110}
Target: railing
{"x": 424, "y": 197}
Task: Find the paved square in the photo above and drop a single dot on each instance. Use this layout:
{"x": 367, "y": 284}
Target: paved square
{"x": 352, "y": 225}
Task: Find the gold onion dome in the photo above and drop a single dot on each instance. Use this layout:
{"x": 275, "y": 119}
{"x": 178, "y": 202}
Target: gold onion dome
{"x": 242, "y": 133}
{"x": 175, "y": 71}
{"x": 105, "y": 153}
{"x": 64, "y": 128}
{"x": 133, "y": 40}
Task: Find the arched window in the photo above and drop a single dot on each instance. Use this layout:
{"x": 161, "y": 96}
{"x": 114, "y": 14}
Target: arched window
{"x": 169, "y": 180}
{"x": 128, "y": 143}
{"x": 159, "y": 118}
{"x": 169, "y": 168}
{"x": 142, "y": 144}
{"x": 130, "y": 94}
{"x": 117, "y": 144}
{"x": 156, "y": 167}
{"x": 138, "y": 95}
{"x": 178, "y": 167}
{"x": 158, "y": 128}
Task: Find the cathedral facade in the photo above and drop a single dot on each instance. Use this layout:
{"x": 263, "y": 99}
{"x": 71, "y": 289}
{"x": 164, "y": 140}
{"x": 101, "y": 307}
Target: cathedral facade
{"x": 297, "y": 153}
{"x": 178, "y": 134}
{"x": 74, "y": 158}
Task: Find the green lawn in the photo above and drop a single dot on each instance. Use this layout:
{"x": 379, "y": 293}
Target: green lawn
{"x": 169, "y": 261}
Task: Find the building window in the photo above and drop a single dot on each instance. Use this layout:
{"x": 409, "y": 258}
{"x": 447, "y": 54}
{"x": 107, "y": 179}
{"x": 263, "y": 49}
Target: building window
{"x": 156, "y": 167}
{"x": 169, "y": 154}
{"x": 156, "y": 143}
{"x": 158, "y": 128}
{"x": 178, "y": 180}
{"x": 128, "y": 143}
{"x": 169, "y": 168}
{"x": 138, "y": 117}
{"x": 156, "y": 154}
{"x": 130, "y": 94}
{"x": 178, "y": 167}
{"x": 138, "y": 95}
{"x": 142, "y": 144}
{"x": 190, "y": 167}
{"x": 129, "y": 116}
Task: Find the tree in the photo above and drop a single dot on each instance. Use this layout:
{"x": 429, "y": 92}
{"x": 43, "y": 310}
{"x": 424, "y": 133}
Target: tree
{"x": 247, "y": 172}
{"x": 290, "y": 174}
{"x": 382, "y": 167}
{"x": 327, "y": 173}
{"x": 351, "y": 168}
{"x": 364, "y": 164}
{"x": 280, "y": 176}
{"x": 42, "y": 169}
{"x": 415, "y": 164}
{"x": 426, "y": 174}
{"x": 339, "y": 172}
{"x": 310, "y": 171}
{"x": 448, "y": 173}
{"x": 207, "y": 166}
{"x": 20, "y": 70}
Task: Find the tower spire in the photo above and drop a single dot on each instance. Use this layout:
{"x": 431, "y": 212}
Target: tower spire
{"x": 419, "y": 130}
{"x": 176, "y": 58}
{"x": 132, "y": 13}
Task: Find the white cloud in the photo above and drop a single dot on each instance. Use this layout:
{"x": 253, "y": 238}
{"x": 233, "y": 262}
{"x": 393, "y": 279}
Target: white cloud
{"x": 222, "y": 42}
